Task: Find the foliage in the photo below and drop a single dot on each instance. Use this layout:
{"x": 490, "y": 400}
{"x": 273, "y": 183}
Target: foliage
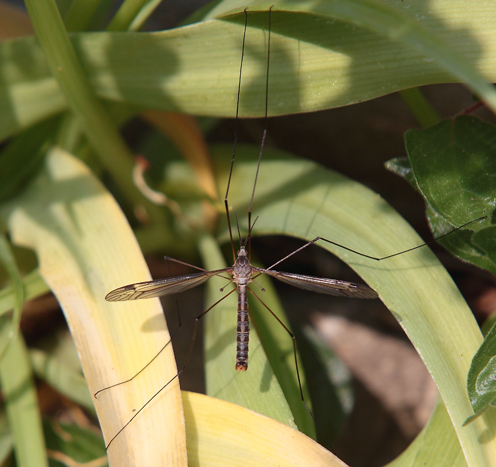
{"x": 65, "y": 93}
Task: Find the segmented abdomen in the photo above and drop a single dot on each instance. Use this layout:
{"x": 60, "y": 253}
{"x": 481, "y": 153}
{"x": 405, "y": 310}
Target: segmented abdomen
{"x": 242, "y": 330}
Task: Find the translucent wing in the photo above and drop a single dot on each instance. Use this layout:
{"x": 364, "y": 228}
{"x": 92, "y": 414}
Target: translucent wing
{"x": 161, "y": 287}
{"x": 322, "y": 284}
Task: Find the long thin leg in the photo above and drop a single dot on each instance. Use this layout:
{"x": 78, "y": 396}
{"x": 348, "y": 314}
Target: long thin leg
{"x": 226, "y": 202}
{"x": 316, "y": 239}
{"x": 290, "y": 335}
{"x": 160, "y": 351}
{"x": 262, "y": 144}
{"x": 190, "y": 350}
{"x": 141, "y": 371}
{"x": 296, "y": 365}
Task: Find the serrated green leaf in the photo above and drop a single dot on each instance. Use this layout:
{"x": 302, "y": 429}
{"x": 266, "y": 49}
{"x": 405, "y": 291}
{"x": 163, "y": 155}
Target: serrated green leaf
{"x": 454, "y": 167}
{"x": 401, "y": 166}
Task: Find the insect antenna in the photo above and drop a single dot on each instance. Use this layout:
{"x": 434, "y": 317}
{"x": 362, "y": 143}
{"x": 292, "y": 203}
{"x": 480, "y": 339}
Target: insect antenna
{"x": 239, "y": 232}
{"x": 245, "y": 242}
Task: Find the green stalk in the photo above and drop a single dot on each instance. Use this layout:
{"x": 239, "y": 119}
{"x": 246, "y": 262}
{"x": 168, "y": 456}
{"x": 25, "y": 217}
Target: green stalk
{"x": 132, "y": 14}
{"x": 21, "y": 403}
{"x": 71, "y": 77}
{"x": 425, "y": 114}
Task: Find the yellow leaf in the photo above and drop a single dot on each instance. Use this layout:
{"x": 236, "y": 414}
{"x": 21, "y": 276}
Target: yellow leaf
{"x": 220, "y": 433}
{"x": 86, "y": 248}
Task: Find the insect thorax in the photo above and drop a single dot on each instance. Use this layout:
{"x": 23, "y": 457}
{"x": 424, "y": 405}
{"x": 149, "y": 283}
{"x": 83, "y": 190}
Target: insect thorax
{"x": 242, "y": 268}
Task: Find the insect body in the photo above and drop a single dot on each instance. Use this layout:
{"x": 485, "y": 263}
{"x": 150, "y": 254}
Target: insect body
{"x": 242, "y": 273}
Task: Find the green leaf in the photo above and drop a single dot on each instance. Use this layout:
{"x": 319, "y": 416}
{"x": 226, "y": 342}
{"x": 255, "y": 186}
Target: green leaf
{"x": 353, "y": 51}
{"x": 95, "y": 120}
{"x": 278, "y": 347}
{"x": 219, "y": 431}
{"x": 435, "y": 445}
{"x": 401, "y": 166}
{"x": 6, "y": 441}
{"x": 85, "y": 248}
{"x": 21, "y": 403}
{"x": 62, "y": 378}
{"x": 481, "y": 380}
{"x": 454, "y": 167}
{"x": 301, "y": 199}
{"x": 9, "y": 263}
{"x": 393, "y": 23}
{"x": 22, "y": 158}
{"x": 329, "y": 383}
{"x": 314, "y": 362}
{"x": 425, "y": 114}
{"x": 72, "y": 444}
{"x": 57, "y": 362}
{"x": 33, "y": 285}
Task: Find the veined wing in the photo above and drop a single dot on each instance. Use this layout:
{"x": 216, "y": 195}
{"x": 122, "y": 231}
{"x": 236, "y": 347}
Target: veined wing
{"x": 322, "y": 284}
{"x": 161, "y": 287}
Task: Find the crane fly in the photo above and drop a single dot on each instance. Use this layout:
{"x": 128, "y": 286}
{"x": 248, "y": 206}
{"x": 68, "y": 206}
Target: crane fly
{"x": 242, "y": 273}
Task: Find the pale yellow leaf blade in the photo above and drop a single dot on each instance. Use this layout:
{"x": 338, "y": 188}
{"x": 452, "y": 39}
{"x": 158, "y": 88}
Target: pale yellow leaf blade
{"x": 220, "y": 433}
{"x": 85, "y": 248}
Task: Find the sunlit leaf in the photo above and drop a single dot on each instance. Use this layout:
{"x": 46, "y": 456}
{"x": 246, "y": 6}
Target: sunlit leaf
{"x": 85, "y": 248}
{"x": 301, "y": 199}
{"x": 353, "y": 51}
